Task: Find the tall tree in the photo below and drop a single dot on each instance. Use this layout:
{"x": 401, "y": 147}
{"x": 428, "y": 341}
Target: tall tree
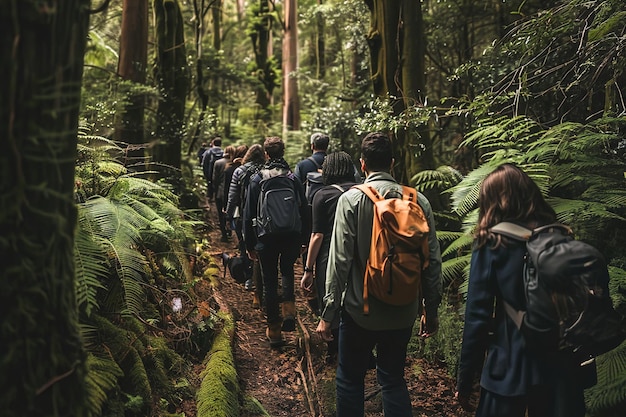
{"x": 291, "y": 100}
{"x": 260, "y": 30}
{"x": 171, "y": 75}
{"x": 397, "y": 48}
{"x": 133, "y": 58}
{"x": 42, "y": 371}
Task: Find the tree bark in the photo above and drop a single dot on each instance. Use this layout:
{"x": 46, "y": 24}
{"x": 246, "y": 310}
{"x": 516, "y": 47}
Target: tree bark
{"x": 397, "y": 49}
{"x": 260, "y": 36}
{"x": 171, "y": 75}
{"x": 43, "y": 361}
{"x": 132, "y": 67}
{"x": 291, "y": 101}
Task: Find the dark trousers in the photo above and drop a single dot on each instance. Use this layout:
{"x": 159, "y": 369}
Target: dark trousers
{"x": 355, "y": 348}
{"x": 275, "y": 251}
{"x": 219, "y": 205}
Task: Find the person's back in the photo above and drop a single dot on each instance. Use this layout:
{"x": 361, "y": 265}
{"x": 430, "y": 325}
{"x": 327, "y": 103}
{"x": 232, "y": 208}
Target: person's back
{"x": 218, "y": 182}
{"x": 210, "y": 156}
{"x": 319, "y": 147}
{"x": 271, "y": 247}
{"x": 513, "y": 380}
{"x": 387, "y": 327}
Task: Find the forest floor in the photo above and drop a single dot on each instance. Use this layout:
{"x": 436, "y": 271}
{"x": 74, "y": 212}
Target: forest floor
{"x": 296, "y": 380}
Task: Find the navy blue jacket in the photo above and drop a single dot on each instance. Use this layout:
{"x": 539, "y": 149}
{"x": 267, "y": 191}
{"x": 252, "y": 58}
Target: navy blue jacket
{"x": 507, "y": 369}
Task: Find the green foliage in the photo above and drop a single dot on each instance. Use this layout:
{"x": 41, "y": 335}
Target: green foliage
{"x": 444, "y": 346}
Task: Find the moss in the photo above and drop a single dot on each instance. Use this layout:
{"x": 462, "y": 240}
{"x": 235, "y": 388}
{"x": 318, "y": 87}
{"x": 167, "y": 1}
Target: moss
{"x": 219, "y": 391}
{"x": 252, "y": 407}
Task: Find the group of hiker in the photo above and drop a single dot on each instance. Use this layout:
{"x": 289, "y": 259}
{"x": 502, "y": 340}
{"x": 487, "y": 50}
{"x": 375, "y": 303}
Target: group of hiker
{"x": 372, "y": 261}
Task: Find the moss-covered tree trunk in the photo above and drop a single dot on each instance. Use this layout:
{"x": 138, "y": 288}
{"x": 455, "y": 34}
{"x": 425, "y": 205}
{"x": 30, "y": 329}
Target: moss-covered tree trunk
{"x": 171, "y": 75}
{"x": 291, "y": 98}
{"x": 42, "y": 370}
{"x": 397, "y": 48}
{"x": 133, "y": 57}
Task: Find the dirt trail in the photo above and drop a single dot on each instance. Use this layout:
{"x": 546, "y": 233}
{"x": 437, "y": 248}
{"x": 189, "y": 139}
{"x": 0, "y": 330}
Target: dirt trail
{"x": 295, "y": 380}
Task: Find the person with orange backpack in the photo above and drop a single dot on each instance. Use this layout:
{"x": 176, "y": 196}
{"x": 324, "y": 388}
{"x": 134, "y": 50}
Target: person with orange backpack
{"x": 384, "y": 271}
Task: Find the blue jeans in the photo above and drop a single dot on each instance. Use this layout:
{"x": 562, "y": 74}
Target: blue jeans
{"x": 355, "y": 347}
{"x": 275, "y": 251}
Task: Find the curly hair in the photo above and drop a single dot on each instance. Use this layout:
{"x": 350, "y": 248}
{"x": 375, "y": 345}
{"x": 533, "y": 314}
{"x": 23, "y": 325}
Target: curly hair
{"x": 509, "y": 194}
{"x": 337, "y": 168}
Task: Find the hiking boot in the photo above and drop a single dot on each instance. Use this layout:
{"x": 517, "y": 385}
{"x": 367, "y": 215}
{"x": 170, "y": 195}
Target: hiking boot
{"x": 274, "y": 335}
{"x": 289, "y": 316}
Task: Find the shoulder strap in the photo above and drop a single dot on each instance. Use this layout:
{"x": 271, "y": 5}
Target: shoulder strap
{"x": 339, "y": 187}
{"x": 315, "y": 162}
{"x": 369, "y": 191}
{"x": 512, "y": 230}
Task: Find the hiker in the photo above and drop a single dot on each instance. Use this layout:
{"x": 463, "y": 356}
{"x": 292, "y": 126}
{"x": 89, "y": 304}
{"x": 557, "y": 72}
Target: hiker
{"x": 386, "y": 327}
{"x": 252, "y": 162}
{"x": 201, "y": 152}
{"x": 319, "y": 147}
{"x": 275, "y": 233}
{"x": 337, "y": 175}
{"x": 211, "y": 155}
{"x": 218, "y": 182}
{"x": 237, "y": 160}
{"x": 514, "y": 381}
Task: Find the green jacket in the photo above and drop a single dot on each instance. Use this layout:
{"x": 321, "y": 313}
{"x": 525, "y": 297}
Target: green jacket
{"x": 349, "y": 250}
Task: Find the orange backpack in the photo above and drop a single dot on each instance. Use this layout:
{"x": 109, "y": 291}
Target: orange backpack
{"x": 399, "y": 249}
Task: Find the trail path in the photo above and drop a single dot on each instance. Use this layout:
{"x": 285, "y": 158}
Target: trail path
{"x": 295, "y": 380}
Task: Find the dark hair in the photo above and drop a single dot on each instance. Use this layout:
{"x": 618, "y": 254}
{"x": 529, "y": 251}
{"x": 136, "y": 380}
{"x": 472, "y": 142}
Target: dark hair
{"x": 255, "y": 155}
{"x": 274, "y": 146}
{"x": 320, "y": 141}
{"x": 376, "y": 151}
{"x": 337, "y": 168}
{"x": 509, "y": 194}
{"x": 217, "y": 141}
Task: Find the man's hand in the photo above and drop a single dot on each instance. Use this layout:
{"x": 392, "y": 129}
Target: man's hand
{"x": 464, "y": 401}
{"x": 323, "y": 329}
{"x": 306, "y": 283}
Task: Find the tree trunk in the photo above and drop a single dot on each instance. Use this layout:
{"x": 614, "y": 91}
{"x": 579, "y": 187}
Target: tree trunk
{"x": 397, "y": 50}
{"x": 171, "y": 74}
{"x": 291, "y": 101}
{"x": 132, "y": 67}
{"x": 320, "y": 45}
{"x": 260, "y": 36}
{"x": 200, "y": 11}
{"x": 43, "y": 361}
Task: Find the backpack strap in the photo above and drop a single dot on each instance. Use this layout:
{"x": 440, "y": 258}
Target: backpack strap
{"x": 521, "y": 233}
{"x": 339, "y": 187}
{"x": 512, "y": 230}
{"x": 317, "y": 166}
{"x": 369, "y": 191}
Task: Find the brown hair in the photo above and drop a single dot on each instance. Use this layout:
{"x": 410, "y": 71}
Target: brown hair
{"x": 255, "y": 154}
{"x": 509, "y": 194}
{"x": 376, "y": 151}
{"x": 274, "y": 146}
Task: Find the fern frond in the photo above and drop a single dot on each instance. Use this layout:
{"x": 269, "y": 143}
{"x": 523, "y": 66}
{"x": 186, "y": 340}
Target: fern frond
{"x": 454, "y": 268}
{"x": 460, "y": 246}
{"x": 102, "y": 376}
{"x": 441, "y": 178}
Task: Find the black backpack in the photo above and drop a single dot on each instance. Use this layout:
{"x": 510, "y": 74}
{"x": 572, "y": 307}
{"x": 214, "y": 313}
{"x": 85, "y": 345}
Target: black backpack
{"x": 278, "y": 210}
{"x": 313, "y": 181}
{"x": 568, "y": 309}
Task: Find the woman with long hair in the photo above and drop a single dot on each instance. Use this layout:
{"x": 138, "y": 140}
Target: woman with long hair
{"x": 514, "y": 381}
